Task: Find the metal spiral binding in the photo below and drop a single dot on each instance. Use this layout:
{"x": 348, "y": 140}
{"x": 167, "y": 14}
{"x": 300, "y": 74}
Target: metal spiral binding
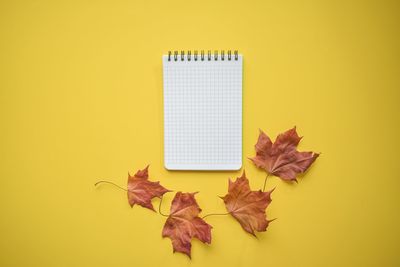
{"x": 195, "y": 55}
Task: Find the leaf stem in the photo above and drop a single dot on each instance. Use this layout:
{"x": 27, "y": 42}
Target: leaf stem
{"x": 265, "y": 182}
{"x": 213, "y": 214}
{"x": 119, "y": 187}
{"x": 159, "y": 208}
{"x": 107, "y": 182}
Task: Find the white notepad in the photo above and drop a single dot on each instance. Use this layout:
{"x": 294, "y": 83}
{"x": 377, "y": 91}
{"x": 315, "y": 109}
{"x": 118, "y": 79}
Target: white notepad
{"x": 202, "y": 111}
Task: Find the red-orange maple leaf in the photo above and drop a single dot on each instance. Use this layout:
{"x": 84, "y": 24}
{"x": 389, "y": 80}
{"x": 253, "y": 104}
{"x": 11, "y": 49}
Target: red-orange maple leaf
{"x": 281, "y": 158}
{"x": 141, "y": 190}
{"x": 246, "y": 206}
{"x": 183, "y": 223}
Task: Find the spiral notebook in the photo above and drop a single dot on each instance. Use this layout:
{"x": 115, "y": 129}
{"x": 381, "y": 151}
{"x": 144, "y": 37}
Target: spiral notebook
{"x": 202, "y": 110}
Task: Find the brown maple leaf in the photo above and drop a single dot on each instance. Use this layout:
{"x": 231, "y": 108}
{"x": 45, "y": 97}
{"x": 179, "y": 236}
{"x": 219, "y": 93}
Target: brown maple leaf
{"x": 183, "y": 223}
{"x": 281, "y": 158}
{"x": 246, "y": 206}
{"x": 141, "y": 190}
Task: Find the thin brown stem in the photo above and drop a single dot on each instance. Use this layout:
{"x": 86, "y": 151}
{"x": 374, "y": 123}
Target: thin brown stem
{"x": 159, "y": 208}
{"x": 212, "y": 214}
{"x": 265, "y": 182}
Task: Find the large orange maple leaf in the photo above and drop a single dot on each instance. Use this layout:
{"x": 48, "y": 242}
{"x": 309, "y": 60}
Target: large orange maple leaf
{"x": 281, "y": 158}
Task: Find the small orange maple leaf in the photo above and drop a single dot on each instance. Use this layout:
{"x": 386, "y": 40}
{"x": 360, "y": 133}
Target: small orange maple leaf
{"x": 246, "y": 206}
{"x": 141, "y": 191}
{"x": 183, "y": 223}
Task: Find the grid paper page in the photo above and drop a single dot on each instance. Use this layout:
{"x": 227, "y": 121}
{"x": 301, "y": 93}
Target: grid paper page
{"x": 202, "y": 113}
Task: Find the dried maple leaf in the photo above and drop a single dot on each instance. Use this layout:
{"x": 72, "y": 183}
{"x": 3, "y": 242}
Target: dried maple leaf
{"x": 141, "y": 190}
{"x": 281, "y": 158}
{"x": 183, "y": 223}
{"x": 246, "y": 206}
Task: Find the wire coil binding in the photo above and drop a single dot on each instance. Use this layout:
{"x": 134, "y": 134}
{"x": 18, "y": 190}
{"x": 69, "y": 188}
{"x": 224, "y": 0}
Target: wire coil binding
{"x": 195, "y": 55}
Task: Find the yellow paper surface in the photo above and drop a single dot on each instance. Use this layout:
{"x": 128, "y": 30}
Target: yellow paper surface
{"x": 81, "y": 101}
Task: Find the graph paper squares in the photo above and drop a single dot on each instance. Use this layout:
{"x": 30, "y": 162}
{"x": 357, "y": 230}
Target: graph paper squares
{"x": 202, "y": 114}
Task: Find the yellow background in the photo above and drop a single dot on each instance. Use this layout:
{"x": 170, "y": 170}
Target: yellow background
{"x": 81, "y": 101}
